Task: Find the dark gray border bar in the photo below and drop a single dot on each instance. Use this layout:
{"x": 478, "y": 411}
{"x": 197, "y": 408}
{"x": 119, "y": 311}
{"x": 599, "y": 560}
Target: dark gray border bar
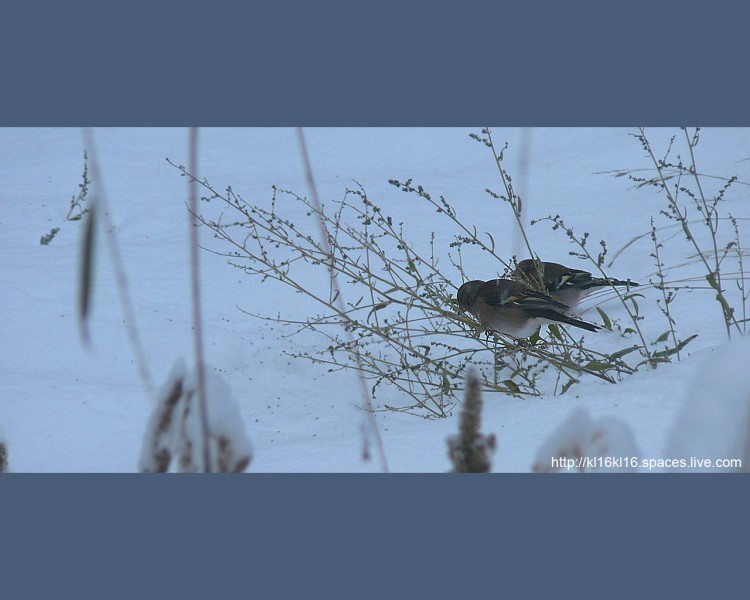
{"x": 343, "y": 63}
{"x": 387, "y": 63}
{"x": 371, "y": 536}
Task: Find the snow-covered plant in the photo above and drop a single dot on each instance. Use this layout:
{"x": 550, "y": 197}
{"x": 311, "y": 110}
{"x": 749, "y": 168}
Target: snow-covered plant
{"x": 174, "y": 432}
{"x": 582, "y": 444}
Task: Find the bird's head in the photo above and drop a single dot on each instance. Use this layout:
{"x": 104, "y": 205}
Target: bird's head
{"x": 467, "y": 293}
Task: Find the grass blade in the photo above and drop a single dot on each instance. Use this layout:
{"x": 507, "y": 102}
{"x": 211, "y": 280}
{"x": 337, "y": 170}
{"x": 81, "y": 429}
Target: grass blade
{"x": 86, "y": 273}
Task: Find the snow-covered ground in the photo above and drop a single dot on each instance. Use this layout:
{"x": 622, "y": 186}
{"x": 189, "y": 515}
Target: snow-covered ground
{"x": 66, "y": 408}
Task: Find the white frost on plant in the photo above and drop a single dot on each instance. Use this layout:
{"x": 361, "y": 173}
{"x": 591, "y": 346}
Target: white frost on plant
{"x": 229, "y": 445}
{"x": 714, "y": 422}
{"x": 584, "y": 445}
{"x": 174, "y": 431}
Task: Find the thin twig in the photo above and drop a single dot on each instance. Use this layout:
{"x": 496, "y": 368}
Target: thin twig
{"x": 405, "y": 321}
{"x": 741, "y": 279}
{"x": 682, "y": 218}
{"x": 661, "y": 286}
{"x": 584, "y": 253}
{"x": 514, "y": 200}
{"x": 524, "y": 160}
{"x": 340, "y": 300}
{"x": 196, "y": 296}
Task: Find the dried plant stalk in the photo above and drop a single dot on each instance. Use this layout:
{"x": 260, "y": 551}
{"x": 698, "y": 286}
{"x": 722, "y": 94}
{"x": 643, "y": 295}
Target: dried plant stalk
{"x": 3, "y": 458}
{"x": 470, "y": 450}
{"x": 157, "y": 449}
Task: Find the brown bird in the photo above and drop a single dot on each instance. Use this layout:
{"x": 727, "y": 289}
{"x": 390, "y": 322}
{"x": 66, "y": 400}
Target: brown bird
{"x": 568, "y": 285}
{"x": 513, "y": 308}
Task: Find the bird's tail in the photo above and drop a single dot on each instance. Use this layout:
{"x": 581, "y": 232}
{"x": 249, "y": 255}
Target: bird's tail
{"x": 553, "y": 315}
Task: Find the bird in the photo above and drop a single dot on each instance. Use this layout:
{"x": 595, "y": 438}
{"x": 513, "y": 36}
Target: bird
{"x": 567, "y": 285}
{"x": 512, "y": 308}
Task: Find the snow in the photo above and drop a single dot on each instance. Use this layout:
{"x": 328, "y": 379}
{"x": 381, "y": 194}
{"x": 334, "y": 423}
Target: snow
{"x": 69, "y": 408}
{"x": 714, "y": 421}
{"x": 582, "y": 444}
